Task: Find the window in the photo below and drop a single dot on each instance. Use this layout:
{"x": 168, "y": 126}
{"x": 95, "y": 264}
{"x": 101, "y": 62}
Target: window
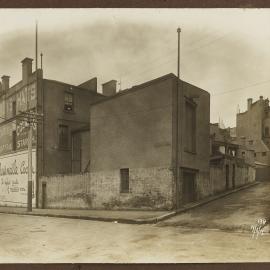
{"x": 14, "y": 140}
{"x": 254, "y": 154}
{"x": 124, "y": 178}
{"x": 13, "y": 108}
{"x": 263, "y": 154}
{"x": 243, "y": 154}
{"x": 68, "y": 102}
{"x": 266, "y": 131}
{"x": 63, "y": 136}
{"x": 250, "y": 142}
{"x": 190, "y": 127}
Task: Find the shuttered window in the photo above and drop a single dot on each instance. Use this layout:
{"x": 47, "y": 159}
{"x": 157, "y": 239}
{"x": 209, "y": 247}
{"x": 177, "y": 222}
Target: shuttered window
{"x": 190, "y": 127}
{"x": 63, "y": 136}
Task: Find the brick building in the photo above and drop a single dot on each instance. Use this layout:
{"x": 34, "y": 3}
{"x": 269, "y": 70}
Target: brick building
{"x": 56, "y": 140}
{"x": 133, "y": 142}
{"x": 253, "y": 130}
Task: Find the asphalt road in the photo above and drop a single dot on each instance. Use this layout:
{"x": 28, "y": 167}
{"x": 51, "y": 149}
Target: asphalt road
{"x": 32, "y": 239}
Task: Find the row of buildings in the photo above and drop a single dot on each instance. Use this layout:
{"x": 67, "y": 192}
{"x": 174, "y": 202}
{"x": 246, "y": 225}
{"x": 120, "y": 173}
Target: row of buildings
{"x": 150, "y": 146}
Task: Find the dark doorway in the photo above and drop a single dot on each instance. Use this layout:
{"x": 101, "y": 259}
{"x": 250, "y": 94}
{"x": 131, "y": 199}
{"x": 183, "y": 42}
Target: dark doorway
{"x": 188, "y": 187}
{"x": 233, "y": 176}
{"x": 44, "y": 196}
{"x": 227, "y": 176}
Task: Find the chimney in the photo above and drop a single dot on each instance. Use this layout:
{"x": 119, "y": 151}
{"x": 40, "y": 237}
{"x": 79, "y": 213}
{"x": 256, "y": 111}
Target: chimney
{"x": 26, "y": 69}
{"x": 249, "y": 103}
{"x": 5, "y": 83}
{"x": 109, "y": 88}
{"x": 261, "y": 98}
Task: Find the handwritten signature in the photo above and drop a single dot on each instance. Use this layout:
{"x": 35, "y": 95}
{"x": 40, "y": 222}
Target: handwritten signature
{"x": 258, "y": 228}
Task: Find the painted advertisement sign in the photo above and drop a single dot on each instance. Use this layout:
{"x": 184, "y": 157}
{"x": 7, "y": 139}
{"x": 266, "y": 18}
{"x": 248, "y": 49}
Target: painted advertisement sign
{"x": 6, "y": 137}
{"x": 14, "y": 179}
{"x": 24, "y": 99}
{"x": 22, "y": 129}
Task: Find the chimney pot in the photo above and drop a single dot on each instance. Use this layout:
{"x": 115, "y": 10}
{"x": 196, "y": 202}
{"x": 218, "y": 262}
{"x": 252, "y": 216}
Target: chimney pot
{"x": 5, "y": 83}
{"x": 109, "y": 88}
{"x": 261, "y": 97}
{"x": 26, "y": 69}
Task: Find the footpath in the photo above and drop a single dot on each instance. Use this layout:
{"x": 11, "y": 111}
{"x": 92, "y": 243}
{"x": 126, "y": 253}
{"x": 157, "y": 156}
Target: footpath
{"x": 117, "y": 216}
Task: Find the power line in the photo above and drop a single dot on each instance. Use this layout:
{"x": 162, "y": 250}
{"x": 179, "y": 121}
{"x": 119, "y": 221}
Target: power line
{"x": 242, "y": 88}
{"x": 173, "y": 60}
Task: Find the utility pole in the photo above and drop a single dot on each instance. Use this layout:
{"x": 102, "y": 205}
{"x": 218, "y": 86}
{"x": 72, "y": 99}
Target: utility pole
{"x": 41, "y": 56}
{"x": 177, "y": 123}
{"x": 31, "y": 118}
{"x": 36, "y": 47}
{"x": 29, "y": 189}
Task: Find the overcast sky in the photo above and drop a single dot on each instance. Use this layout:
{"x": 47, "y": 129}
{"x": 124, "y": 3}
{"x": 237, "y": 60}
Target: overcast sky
{"x": 224, "y": 51}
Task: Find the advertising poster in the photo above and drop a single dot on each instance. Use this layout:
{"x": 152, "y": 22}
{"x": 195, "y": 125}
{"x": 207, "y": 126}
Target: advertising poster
{"x": 14, "y": 179}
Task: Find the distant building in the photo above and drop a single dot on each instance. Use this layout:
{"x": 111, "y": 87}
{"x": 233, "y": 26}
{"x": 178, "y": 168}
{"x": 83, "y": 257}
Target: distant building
{"x": 231, "y": 164}
{"x": 253, "y": 130}
{"x": 56, "y": 140}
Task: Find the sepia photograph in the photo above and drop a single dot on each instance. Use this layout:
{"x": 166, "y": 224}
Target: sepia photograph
{"x": 134, "y": 135}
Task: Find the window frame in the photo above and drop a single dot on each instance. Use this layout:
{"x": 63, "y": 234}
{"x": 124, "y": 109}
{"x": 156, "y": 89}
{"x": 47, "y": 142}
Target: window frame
{"x": 68, "y": 94}
{"x": 193, "y": 105}
{"x": 61, "y": 145}
{"x": 124, "y": 180}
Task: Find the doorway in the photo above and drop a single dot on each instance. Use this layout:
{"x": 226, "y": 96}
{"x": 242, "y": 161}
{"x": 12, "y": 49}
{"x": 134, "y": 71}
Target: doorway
{"x": 233, "y": 176}
{"x": 227, "y": 177}
{"x": 188, "y": 187}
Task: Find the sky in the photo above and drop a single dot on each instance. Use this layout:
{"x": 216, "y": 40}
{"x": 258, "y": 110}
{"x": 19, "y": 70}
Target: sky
{"x": 223, "y": 51}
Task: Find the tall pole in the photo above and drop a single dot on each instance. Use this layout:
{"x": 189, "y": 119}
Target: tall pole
{"x": 36, "y": 45}
{"x": 41, "y": 56}
{"x": 29, "y": 193}
{"x": 177, "y": 124}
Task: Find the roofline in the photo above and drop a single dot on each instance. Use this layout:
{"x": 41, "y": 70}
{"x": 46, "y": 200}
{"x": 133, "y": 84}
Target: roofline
{"x": 75, "y": 86}
{"x": 143, "y": 85}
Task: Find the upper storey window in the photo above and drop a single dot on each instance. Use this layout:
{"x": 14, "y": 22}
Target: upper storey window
{"x": 69, "y": 102}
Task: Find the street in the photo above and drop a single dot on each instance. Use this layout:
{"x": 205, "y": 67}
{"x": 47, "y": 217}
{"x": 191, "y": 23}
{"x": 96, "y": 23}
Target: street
{"x": 32, "y": 239}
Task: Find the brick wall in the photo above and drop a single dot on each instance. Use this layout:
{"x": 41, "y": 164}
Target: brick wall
{"x": 244, "y": 174}
{"x": 204, "y": 185}
{"x": 150, "y": 188}
{"x": 66, "y": 191}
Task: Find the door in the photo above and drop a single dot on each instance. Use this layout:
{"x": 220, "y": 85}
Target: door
{"x": 44, "y": 196}
{"x": 188, "y": 187}
{"x": 227, "y": 176}
{"x": 233, "y": 176}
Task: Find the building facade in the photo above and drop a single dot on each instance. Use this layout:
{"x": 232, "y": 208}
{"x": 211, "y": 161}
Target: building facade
{"x": 149, "y": 146}
{"x": 253, "y": 130}
{"x": 65, "y": 110}
{"x": 253, "y": 127}
{"x": 231, "y": 164}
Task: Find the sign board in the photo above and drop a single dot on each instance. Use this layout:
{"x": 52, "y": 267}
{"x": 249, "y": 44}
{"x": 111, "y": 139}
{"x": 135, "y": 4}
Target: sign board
{"x": 14, "y": 179}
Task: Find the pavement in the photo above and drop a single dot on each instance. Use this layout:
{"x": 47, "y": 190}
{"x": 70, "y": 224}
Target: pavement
{"x": 37, "y": 239}
{"x": 236, "y": 212}
{"x": 129, "y": 217}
